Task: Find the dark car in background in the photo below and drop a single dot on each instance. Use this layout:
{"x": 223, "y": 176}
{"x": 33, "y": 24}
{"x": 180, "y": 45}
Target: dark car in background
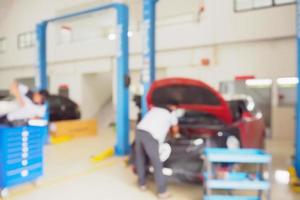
{"x": 62, "y": 108}
{"x": 206, "y": 119}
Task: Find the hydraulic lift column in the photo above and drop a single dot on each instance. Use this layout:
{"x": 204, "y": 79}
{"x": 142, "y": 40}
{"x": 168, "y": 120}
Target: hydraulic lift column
{"x": 122, "y": 146}
{"x": 148, "y": 69}
{"x": 297, "y": 146}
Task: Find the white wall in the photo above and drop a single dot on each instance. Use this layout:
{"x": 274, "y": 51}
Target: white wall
{"x": 263, "y": 59}
{"x": 97, "y": 91}
{"x": 260, "y": 42}
{"x": 8, "y": 75}
{"x": 220, "y": 24}
{"x": 283, "y": 124}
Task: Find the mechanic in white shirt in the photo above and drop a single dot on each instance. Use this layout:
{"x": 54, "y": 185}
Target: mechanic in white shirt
{"x": 32, "y": 104}
{"x": 152, "y": 132}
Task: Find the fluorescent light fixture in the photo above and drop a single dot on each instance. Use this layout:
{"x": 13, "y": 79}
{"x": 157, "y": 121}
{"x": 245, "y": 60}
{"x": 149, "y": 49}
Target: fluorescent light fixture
{"x": 112, "y": 36}
{"x": 287, "y": 81}
{"x": 259, "y": 82}
{"x": 282, "y": 177}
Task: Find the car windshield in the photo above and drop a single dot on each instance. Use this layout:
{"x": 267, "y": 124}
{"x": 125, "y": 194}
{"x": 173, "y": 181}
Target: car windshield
{"x": 199, "y": 119}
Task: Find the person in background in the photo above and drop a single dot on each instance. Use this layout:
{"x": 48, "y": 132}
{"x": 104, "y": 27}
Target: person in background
{"x": 32, "y": 104}
{"x": 150, "y": 134}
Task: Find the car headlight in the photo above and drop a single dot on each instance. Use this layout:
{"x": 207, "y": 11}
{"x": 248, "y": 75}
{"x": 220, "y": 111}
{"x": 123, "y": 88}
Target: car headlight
{"x": 232, "y": 142}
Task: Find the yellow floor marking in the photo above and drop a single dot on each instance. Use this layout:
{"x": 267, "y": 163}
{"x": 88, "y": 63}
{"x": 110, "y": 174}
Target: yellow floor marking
{"x": 103, "y": 155}
{"x": 294, "y": 180}
{"x": 60, "y": 139}
{"x": 64, "y": 179}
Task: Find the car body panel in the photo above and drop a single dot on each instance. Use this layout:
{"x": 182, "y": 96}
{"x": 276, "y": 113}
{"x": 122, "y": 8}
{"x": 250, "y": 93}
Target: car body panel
{"x": 207, "y": 99}
{"x": 252, "y": 132}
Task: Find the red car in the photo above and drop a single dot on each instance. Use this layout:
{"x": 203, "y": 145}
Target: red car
{"x": 207, "y": 111}
{"x": 206, "y": 119}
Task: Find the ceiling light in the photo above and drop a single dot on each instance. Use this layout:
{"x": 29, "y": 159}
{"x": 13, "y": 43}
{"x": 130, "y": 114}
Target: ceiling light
{"x": 287, "y": 81}
{"x": 259, "y": 82}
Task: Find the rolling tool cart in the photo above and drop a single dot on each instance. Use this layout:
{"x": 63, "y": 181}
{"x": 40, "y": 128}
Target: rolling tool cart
{"x": 21, "y": 155}
{"x": 232, "y": 179}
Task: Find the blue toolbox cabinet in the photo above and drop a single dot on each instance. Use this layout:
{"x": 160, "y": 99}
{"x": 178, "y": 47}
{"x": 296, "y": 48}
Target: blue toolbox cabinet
{"x": 21, "y": 155}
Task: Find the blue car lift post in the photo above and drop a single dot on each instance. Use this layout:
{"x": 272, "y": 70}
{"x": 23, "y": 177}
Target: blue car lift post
{"x": 122, "y": 120}
{"x": 297, "y": 136}
{"x": 148, "y": 68}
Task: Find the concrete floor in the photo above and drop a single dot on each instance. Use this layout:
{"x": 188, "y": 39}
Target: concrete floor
{"x": 70, "y": 175}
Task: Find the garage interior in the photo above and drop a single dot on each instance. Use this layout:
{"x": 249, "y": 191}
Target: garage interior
{"x": 239, "y": 48}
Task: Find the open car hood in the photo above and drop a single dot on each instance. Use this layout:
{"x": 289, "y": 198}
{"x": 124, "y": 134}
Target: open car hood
{"x": 191, "y": 95}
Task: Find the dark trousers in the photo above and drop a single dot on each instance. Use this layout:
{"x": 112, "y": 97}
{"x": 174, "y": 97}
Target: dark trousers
{"x": 147, "y": 146}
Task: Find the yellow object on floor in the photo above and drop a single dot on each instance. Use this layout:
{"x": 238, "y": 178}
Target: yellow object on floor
{"x": 294, "y": 180}
{"x": 103, "y": 155}
{"x": 74, "y": 128}
{"x": 59, "y": 140}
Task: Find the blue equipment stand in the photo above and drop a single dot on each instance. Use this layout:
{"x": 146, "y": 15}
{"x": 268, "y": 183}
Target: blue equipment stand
{"x": 122, "y": 120}
{"x": 297, "y": 151}
{"x": 148, "y": 70}
{"x": 236, "y": 180}
{"x": 21, "y": 155}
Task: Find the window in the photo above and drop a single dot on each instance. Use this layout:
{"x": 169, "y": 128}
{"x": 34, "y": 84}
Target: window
{"x": 244, "y": 5}
{"x": 26, "y": 40}
{"x": 2, "y": 44}
{"x": 280, "y": 2}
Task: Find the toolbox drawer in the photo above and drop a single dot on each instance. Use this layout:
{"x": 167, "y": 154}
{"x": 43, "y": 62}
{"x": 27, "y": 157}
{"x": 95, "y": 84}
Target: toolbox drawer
{"x": 23, "y": 175}
{"x": 19, "y": 160}
{"x": 21, "y": 163}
